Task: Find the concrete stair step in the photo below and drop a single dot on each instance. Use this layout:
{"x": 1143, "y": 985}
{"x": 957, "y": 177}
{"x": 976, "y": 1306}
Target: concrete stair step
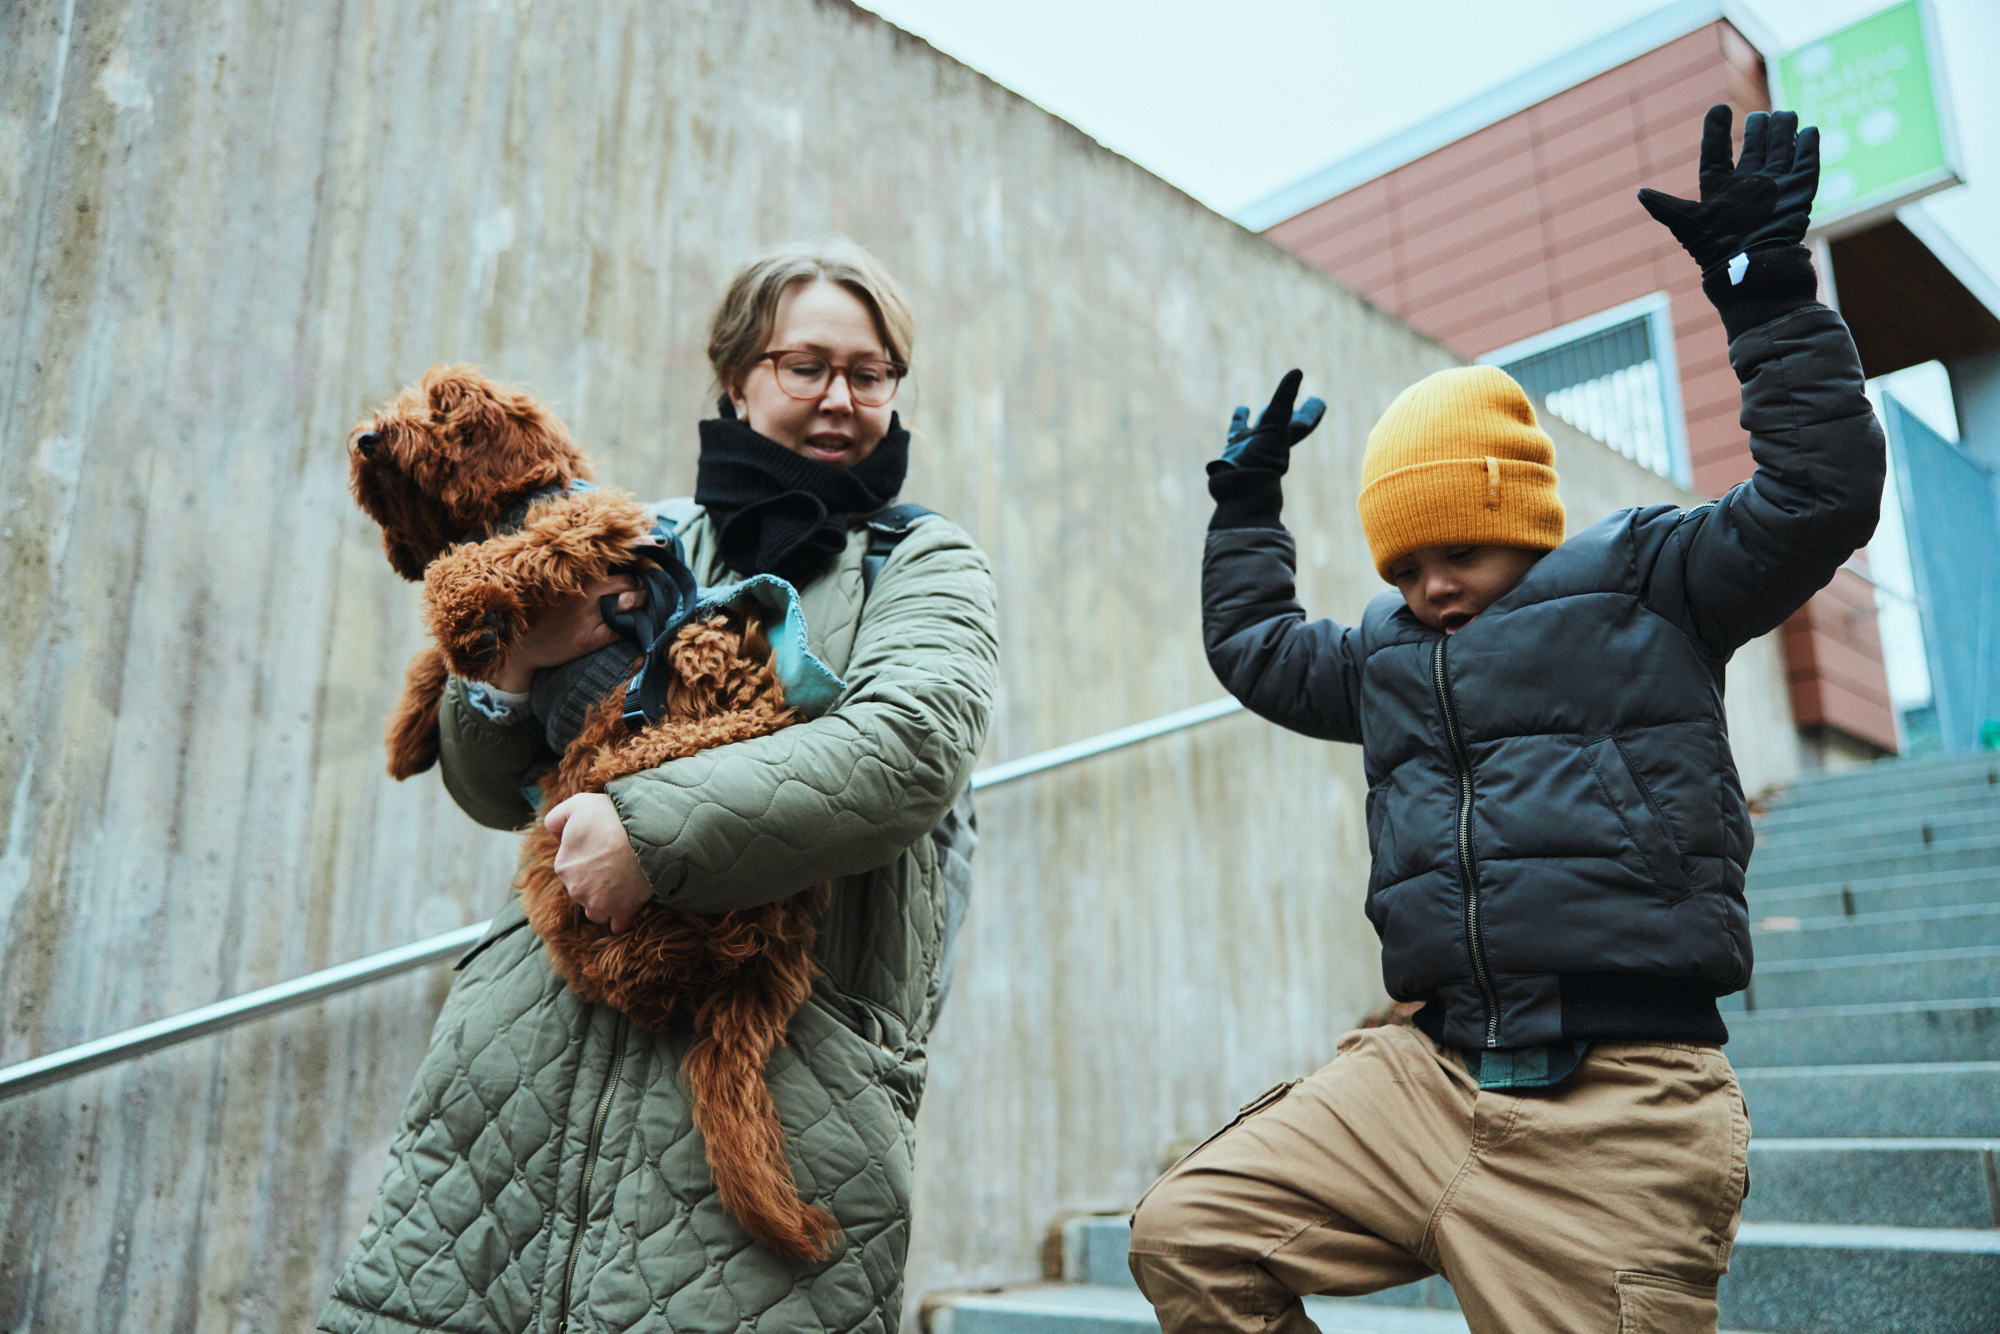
{"x": 1890, "y": 777}
{"x": 1081, "y": 1308}
{"x": 1903, "y": 833}
{"x": 1787, "y": 1278}
{"x": 1822, "y": 1278}
{"x": 1953, "y": 973}
{"x": 1844, "y": 895}
{"x": 1900, "y": 1031}
{"x": 1933, "y": 1099}
{"x": 1770, "y": 870}
{"x": 1093, "y": 1263}
{"x": 1779, "y": 936}
{"x": 1935, "y": 1183}
{"x": 1967, "y": 791}
{"x": 1791, "y": 820}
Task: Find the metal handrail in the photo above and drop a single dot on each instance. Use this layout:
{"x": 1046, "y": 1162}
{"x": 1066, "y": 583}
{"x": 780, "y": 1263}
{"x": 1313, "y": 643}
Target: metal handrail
{"x": 58, "y": 1066}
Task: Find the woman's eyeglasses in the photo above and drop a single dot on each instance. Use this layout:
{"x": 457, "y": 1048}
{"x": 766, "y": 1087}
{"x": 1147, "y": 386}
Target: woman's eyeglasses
{"x": 807, "y": 375}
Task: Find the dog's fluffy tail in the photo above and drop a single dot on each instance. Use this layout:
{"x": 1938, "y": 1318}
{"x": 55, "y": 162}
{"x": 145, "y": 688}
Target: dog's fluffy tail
{"x": 739, "y": 1121}
{"x": 412, "y": 733}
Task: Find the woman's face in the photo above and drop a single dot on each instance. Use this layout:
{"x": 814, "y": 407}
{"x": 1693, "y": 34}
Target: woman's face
{"x": 826, "y": 319}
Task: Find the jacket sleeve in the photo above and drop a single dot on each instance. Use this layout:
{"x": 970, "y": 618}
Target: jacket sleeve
{"x": 1300, "y": 674}
{"x": 744, "y": 824}
{"x": 483, "y": 762}
{"x": 1734, "y": 570}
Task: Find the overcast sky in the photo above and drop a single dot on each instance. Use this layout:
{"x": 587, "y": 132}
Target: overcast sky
{"x": 1231, "y": 101}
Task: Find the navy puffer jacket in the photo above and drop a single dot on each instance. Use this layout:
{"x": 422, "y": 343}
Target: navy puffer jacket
{"x": 1558, "y": 833}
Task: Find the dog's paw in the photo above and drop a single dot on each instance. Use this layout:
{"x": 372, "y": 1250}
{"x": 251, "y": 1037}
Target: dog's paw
{"x": 487, "y": 644}
{"x": 475, "y": 625}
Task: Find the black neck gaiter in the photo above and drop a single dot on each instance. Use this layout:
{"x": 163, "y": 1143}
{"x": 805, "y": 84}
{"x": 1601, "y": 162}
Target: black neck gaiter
{"x": 776, "y": 512}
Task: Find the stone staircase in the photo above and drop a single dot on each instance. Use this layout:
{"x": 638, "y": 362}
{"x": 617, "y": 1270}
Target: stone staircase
{"x": 1868, "y": 1047}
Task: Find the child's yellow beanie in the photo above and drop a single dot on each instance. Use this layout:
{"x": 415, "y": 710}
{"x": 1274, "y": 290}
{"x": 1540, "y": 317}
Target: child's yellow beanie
{"x": 1458, "y": 460}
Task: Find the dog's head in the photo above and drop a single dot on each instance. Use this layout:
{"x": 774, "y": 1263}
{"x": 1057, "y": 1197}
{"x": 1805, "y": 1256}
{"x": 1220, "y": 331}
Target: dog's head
{"x": 451, "y": 455}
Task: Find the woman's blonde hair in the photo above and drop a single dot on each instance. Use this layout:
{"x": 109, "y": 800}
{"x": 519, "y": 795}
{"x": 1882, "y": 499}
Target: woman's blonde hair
{"x": 742, "y": 323}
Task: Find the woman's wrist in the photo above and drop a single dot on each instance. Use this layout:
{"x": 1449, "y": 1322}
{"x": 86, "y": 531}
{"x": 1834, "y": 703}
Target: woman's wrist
{"x": 514, "y": 677}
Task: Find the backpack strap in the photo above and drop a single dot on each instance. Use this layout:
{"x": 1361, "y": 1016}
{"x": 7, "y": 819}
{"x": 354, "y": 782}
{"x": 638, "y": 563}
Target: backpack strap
{"x": 886, "y": 528}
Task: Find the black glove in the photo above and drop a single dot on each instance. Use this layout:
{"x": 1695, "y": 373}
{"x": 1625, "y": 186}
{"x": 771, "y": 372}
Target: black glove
{"x": 1244, "y": 481}
{"x": 1746, "y": 231}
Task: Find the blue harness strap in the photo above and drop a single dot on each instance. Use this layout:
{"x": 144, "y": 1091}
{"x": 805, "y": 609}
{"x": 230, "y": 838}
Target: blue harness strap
{"x": 671, "y": 598}
{"x": 885, "y": 529}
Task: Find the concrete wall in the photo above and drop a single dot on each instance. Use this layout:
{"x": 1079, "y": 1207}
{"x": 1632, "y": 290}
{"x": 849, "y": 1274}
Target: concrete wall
{"x": 228, "y": 228}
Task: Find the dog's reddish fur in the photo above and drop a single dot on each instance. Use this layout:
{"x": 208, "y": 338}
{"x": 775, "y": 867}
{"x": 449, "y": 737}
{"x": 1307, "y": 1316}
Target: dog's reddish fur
{"x": 739, "y": 976}
{"x": 444, "y": 458}
{"x": 452, "y": 456}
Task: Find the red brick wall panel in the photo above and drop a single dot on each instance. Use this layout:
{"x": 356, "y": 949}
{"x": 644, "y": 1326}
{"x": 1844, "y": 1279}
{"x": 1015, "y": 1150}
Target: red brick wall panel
{"x": 1502, "y": 258}
{"x": 1498, "y": 328}
{"x": 1374, "y": 273}
{"x": 1580, "y": 298}
{"x": 1608, "y": 214}
{"x": 1469, "y": 310}
{"x": 1367, "y": 205}
{"x": 1833, "y": 656}
{"x": 1493, "y": 199}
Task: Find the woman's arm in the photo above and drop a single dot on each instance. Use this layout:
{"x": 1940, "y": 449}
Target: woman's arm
{"x": 483, "y": 761}
{"x": 744, "y": 824}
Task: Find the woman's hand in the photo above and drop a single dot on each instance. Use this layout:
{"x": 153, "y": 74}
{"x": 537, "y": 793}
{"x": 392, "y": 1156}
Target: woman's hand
{"x": 564, "y": 631}
{"x": 595, "y": 860}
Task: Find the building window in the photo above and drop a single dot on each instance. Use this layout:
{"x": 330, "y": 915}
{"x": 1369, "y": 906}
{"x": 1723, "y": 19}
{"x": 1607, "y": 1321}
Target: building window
{"x": 1611, "y": 376}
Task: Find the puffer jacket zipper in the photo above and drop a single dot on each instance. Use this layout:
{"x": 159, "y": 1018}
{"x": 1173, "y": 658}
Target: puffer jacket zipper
{"x": 592, "y": 1147}
{"x": 1474, "y": 943}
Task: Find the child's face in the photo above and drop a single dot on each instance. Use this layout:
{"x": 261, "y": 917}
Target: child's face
{"x": 1447, "y": 586}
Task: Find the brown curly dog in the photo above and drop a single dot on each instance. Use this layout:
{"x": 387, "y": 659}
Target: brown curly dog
{"x": 449, "y": 461}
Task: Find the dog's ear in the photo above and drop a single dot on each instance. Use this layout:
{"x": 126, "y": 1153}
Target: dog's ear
{"x": 505, "y": 443}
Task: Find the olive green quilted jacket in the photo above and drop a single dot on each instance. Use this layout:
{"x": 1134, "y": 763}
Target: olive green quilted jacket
{"x": 547, "y": 1175}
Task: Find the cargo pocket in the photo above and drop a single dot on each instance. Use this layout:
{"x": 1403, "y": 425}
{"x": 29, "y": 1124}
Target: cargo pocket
{"x": 1262, "y": 1101}
{"x": 1656, "y": 1304}
{"x": 1645, "y": 824}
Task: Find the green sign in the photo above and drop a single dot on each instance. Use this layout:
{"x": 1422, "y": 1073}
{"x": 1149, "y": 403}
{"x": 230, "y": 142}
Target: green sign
{"x": 1883, "y": 138}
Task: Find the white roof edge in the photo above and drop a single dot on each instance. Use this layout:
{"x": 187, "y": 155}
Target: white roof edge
{"x": 1949, "y": 253}
{"x": 1608, "y": 52}
{"x": 1753, "y": 29}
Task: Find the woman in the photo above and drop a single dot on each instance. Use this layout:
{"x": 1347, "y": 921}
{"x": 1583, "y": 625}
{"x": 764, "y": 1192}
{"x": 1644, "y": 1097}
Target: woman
{"x": 547, "y": 1175}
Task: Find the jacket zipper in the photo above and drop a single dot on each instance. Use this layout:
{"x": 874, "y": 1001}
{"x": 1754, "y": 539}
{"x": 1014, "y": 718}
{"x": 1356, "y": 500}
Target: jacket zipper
{"x": 1474, "y": 944}
{"x": 594, "y": 1145}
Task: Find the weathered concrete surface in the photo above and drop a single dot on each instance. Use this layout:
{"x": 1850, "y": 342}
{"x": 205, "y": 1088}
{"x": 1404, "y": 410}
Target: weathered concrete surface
{"x": 227, "y": 228}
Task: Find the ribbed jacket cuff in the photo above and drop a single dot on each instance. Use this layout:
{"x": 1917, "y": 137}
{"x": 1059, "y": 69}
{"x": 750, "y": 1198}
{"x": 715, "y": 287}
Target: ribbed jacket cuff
{"x": 1245, "y": 497}
{"x": 1777, "y": 281}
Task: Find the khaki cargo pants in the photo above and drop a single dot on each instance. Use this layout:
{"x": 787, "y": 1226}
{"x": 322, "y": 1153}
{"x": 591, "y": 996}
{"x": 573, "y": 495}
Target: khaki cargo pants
{"x": 1605, "y": 1204}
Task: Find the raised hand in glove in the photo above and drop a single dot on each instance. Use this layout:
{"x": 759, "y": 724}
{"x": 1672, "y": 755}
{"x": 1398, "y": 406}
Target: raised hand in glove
{"x": 1746, "y": 230}
{"x": 1244, "y": 481}
{"x": 1268, "y": 444}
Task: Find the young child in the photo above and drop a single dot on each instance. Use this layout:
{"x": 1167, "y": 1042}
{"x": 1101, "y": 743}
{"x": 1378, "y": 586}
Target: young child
{"x": 1558, "y": 833}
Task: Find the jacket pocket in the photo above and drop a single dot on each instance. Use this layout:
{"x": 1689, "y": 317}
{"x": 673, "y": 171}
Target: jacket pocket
{"x": 1645, "y": 825}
